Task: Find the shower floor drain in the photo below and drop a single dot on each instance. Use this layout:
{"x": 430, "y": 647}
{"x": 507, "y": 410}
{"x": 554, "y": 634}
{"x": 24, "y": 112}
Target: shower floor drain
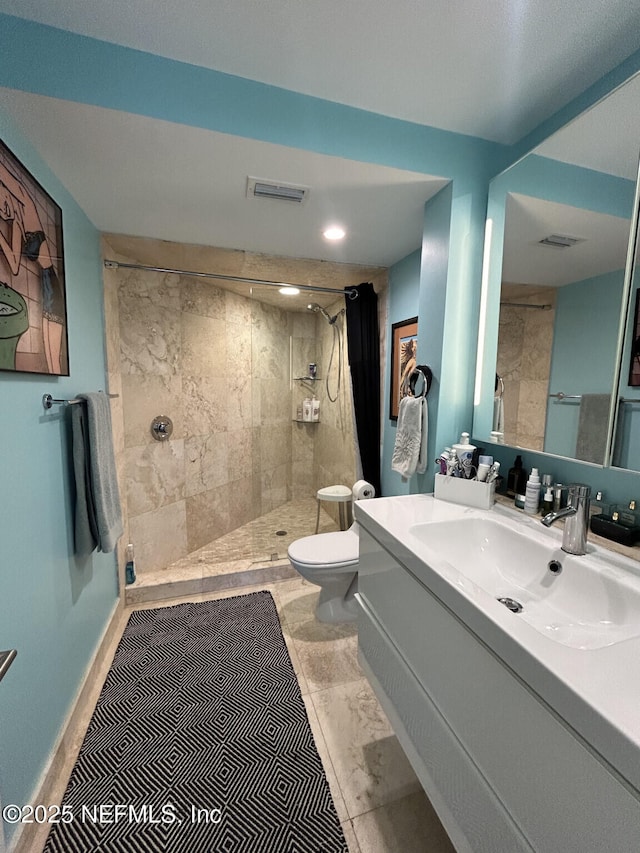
{"x": 281, "y": 532}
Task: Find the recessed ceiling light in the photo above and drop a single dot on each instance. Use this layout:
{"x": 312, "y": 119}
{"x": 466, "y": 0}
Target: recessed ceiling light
{"x": 289, "y": 291}
{"x": 334, "y": 232}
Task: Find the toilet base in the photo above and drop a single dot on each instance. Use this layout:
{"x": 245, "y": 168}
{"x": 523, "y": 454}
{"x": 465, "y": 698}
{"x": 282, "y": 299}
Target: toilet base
{"x": 332, "y": 609}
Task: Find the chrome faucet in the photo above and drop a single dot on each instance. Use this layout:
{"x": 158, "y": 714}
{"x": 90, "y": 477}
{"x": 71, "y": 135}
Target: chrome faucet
{"x": 576, "y": 513}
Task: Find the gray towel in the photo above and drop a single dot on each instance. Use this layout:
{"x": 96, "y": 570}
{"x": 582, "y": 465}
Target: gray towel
{"x": 86, "y": 528}
{"x": 593, "y": 422}
{"x": 410, "y": 449}
{"x": 98, "y": 450}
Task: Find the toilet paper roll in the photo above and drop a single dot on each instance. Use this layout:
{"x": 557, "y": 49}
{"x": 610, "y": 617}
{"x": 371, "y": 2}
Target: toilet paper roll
{"x": 362, "y": 490}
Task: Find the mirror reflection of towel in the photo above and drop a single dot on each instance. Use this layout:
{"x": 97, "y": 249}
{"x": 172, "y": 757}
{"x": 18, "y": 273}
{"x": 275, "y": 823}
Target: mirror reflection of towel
{"x": 498, "y": 413}
{"x": 593, "y": 422}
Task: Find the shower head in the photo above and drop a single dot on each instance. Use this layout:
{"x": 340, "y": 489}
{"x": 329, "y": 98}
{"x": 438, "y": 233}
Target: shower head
{"x": 313, "y": 306}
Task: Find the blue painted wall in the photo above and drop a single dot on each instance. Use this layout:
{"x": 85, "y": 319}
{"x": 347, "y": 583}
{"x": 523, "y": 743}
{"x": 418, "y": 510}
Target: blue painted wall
{"x": 583, "y": 357}
{"x": 53, "y": 608}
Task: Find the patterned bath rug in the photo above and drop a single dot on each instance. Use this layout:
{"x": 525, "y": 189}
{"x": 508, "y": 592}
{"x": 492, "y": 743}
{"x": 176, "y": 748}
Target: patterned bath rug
{"x": 199, "y": 743}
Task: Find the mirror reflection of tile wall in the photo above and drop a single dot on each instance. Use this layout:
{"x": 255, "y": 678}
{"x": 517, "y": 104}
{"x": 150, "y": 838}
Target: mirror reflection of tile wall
{"x": 525, "y": 341}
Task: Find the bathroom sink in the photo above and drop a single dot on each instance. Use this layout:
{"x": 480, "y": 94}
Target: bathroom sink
{"x": 588, "y": 604}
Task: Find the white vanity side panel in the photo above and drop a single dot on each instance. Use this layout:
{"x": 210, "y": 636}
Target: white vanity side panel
{"x": 473, "y": 816}
{"x": 559, "y": 794}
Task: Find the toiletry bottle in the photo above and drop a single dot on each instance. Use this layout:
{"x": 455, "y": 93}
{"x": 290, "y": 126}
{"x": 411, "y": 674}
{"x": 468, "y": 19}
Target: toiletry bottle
{"x": 629, "y": 516}
{"x": 299, "y": 412}
{"x": 494, "y": 473}
{"x": 484, "y": 466}
{"x": 546, "y": 482}
{"x": 464, "y": 452}
{"x": 599, "y": 506}
{"x": 559, "y": 496}
{"x": 306, "y": 409}
{"x": 130, "y": 566}
{"x": 442, "y": 460}
{"x": 547, "y": 501}
{"x": 315, "y": 408}
{"x": 532, "y": 494}
{"x": 516, "y": 478}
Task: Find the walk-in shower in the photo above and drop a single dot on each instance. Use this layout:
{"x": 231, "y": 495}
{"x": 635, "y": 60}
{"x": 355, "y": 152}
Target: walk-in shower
{"x": 240, "y": 473}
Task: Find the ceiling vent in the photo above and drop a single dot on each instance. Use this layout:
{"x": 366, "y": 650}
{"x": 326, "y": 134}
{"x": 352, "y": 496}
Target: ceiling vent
{"x": 260, "y": 188}
{"x": 560, "y": 241}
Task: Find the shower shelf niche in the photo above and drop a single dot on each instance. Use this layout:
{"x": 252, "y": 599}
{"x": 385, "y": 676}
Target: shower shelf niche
{"x": 306, "y": 378}
{"x": 301, "y": 421}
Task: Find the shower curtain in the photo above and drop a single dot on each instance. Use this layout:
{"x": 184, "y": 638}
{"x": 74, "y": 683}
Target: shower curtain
{"x": 363, "y": 346}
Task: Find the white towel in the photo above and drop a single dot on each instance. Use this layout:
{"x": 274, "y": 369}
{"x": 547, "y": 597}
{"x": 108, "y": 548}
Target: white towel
{"x": 410, "y": 450}
{"x": 498, "y": 413}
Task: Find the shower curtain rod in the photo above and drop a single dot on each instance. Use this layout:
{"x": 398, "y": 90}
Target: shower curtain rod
{"x": 114, "y": 265}
{"x": 526, "y": 305}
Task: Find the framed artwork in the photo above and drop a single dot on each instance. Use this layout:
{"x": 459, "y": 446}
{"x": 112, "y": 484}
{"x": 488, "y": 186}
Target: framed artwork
{"x": 404, "y": 351}
{"x": 634, "y": 360}
{"x": 33, "y": 314}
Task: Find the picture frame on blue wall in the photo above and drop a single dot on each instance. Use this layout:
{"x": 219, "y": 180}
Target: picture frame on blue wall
{"x": 404, "y": 351}
{"x": 634, "y": 358}
{"x": 33, "y": 310}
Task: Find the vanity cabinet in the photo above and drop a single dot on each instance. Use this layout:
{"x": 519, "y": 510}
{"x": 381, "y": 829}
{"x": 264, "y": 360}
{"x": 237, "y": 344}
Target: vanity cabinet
{"x": 504, "y": 772}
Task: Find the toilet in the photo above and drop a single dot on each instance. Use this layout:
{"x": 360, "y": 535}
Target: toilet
{"x": 330, "y": 561}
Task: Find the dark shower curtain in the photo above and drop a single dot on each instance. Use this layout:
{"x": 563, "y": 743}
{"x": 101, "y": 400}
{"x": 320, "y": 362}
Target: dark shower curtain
{"x": 363, "y": 346}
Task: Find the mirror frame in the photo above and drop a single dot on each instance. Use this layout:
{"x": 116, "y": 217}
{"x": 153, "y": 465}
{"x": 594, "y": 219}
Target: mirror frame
{"x": 489, "y": 315}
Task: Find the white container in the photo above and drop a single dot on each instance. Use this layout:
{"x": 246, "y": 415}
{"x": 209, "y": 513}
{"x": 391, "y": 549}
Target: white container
{"x": 457, "y": 490}
{"x": 315, "y": 409}
{"x": 532, "y": 494}
{"x": 307, "y": 410}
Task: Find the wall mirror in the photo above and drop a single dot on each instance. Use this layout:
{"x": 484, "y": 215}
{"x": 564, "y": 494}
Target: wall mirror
{"x": 626, "y": 446}
{"x": 558, "y": 233}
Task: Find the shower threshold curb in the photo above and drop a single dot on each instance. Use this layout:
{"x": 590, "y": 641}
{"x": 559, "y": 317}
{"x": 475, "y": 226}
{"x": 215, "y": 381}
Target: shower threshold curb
{"x": 209, "y": 583}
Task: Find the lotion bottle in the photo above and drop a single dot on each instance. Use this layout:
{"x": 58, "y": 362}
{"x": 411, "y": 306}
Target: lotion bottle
{"x": 532, "y": 495}
{"x": 464, "y": 452}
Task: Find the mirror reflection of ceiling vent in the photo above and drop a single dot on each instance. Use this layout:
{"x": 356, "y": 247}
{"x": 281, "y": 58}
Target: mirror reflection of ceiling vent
{"x": 261, "y": 188}
{"x": 560, "y": 241}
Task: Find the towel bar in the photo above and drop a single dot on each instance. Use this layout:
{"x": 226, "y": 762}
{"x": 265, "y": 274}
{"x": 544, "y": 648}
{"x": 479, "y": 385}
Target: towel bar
{"x": 48, "y": 400}
{"x": 6, "y": 659}
{"x": 562, "y": 396}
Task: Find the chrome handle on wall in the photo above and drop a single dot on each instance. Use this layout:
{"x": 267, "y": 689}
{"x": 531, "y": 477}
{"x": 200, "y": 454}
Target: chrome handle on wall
{"x": 6, "y": 659}
{"x": 161, "y": 428}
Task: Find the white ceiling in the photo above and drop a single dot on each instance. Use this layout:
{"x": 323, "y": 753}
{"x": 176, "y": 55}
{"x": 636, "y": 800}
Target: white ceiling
{"x": 493, "y": 69}
{"x": 150, "y": 178}
{"x": 529, "y": 220}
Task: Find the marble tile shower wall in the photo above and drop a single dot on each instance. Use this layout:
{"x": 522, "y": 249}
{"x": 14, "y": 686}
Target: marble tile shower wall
{"x": 524, "y": 362}
{"x": 218, "y": 365}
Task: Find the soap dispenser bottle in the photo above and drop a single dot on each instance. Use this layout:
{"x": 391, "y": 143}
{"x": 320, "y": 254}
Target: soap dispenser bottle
{"x": 532, "y": 494}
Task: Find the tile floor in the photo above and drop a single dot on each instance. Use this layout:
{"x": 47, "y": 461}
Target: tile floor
{"x": 377, "y": 796}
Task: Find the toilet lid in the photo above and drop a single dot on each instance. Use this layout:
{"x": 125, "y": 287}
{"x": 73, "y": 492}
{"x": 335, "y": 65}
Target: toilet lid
{"x": 326, "y": 548}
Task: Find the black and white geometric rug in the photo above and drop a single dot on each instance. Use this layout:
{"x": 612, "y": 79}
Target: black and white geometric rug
{"x": 200, "y": 743}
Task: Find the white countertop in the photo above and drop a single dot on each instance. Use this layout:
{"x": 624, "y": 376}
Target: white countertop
{"x": 596, "y": 691}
